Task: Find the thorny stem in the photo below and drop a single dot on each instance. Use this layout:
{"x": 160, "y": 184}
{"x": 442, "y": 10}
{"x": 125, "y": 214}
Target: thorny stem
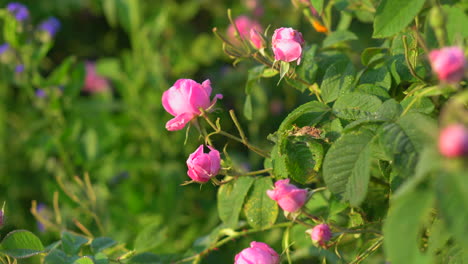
{"x": 410, "y": 66}
{"x": 231, "y": 237}
{"x": 243, "y": 141}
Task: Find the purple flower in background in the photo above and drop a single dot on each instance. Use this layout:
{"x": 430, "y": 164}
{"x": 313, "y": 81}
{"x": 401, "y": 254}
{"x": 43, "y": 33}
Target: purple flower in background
{"x": 19, "y": 68}
{"x": 40, "y": 93}
{"x": 20, "y": 11}
{"x": 41, "y": 210}
{"x": 4, "y": 48}
{"x": 50, "y": 25}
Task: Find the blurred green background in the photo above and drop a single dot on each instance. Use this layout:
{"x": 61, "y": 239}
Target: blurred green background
{"x": 118, "y": 137}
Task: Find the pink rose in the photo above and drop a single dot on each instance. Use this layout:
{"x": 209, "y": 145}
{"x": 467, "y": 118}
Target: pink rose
{"x": 448, "y": 63}
{"x": 289, "y": 197}
{"x": 257, "y": 253}
{"x": 320, "y": 234}
{"x": 184, "y": 99}
{"x": 256, "y": 39}
{"x": 287, "y": 45}
{"x": 453, "y": 141}
{"x": 202, "y": 166}
{"x": 94, "y": 83}
{"x": 244, "y": 26}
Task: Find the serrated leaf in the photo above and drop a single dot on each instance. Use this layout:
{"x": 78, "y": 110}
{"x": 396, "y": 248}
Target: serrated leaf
{"x": 84, "y": 260}
{"x": 231, "y": 197}
{"x": 338, "y": 37}
{"x": 356, "y": 105}
{"x": 307, "y": 114}
{"x": 145, "y": 258}
{"x": 259, "y": 209}
{"x": 72, "y": 243}
{"x": 346, "y": 168}
{"x": 452, "y": 203}
{"x": 100, "y": 243}
{"x": 338, "y": 79}
{"x": 369, "y": 53}
{"x": 393, "y": 16}
{"x": 418, "y": 104}
{"x": 373, "y": 89}
{"x": 380, "y": 77}
{"x": 406, "y": 215}
{"x": 278, "y": 162}
{"x": 21, "y": 244}
{"x": 57, "y": 256}
{"x": 303, "y": 158}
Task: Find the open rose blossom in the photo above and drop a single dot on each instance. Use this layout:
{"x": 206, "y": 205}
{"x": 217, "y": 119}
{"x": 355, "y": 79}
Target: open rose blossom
{"x": 202, "y": 166}
{"x": 287, "y": 45}
{"x": 448, "y": 63}
{"x": 94, "y": 83}
{"x": 184, "y": 100}
{"x": 320, "y": 234}
{"x": 453, "y": 141}
{"x": 289, "y": 197}
{"x": 257, "y": 253}
{"x": 244, "y": 25}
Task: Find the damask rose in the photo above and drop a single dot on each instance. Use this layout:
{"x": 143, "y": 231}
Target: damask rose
{"x": 289, "y": 197}
{"x": 287, "y": 45}
{"x": 320, "y": 234}
{"x": 184, "y": 100}
{"x": 453, "y": 141}
{"x": 448, "y": 63}
{"x": 202, "y": 166}
{"x": 257, "y": 253}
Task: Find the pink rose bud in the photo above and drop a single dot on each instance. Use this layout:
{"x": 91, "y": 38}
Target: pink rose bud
{"x": 287, "y": 45}
{"x": 184, "y": 100}
{"x": 289, "y": 197}
{"x": 257, "y": 253}
{"x": 94, "y": 83}
{"x": 453, "y": 141}
{"x": 244, "y": 26}
{"x": 257, "y": 39}
{"x": 448, "y": 63}
{"x": 202, "y": 166}
{"x": 320, "y": 234}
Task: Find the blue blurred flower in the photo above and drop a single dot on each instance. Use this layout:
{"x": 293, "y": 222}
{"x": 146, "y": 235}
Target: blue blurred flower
{"x": 40, "y": 93}
{"x": 4, "y": 47}
{"x": 50, "y": 25}
{"x": 20, "y": 11}
{"x": 19, "y": 68}
{"x": 41, "y": 210}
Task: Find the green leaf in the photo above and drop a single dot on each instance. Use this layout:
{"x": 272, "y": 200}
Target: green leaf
{"x": 284, "y": 69}
{"x": 380, "y": 77}
{"x": 318, "y": 5}
{"x": 76, "y": 83}
{"x": 307, "y": 70}
{"x": 253, "y": 77}
{"x": 338, "y": 37}
{"x": 452, "y": 203}
{"x": 248, "y": 107}
{"x": 303, "y": 157}
{"x": 109, "y": 67}
{"x": 84, "y": 260}
{"x": 402, "y": 227}
{"x": 338, "y": 79}
{"x": 72, "y": 243}
{"x": 101, "y": 258}
{"x": 110, "y": 11}
{"x": 369, "y": 54}
{"x": 151, "y": 237}
{"x": 260, "y": 210}
{"x": 21, "y": 244}
{"x": 100, "y": 243}
{"x": 373, "y": 89}
{"x": 418, "y": 104}
{"x": 57, "y": 256}
{"x": 278, "y": 162}
{"x": 307, "y": 114}
{"x": 455, "y": 17}
{"x": 346, "y": 168}
{"x": 231, "y": 197}
{"x": 145, "y": 258}
{"x": 58, "y": 76}
{"x": 394, "y": 15}
{"x": 356, "y": 105}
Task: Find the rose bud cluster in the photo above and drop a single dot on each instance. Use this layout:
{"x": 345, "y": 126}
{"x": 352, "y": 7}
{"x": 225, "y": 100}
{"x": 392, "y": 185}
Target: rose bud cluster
{"x": 287, "y": 45}
{"x": 248, "y": 29}
{"x": 184, "y": 100}
{"x": 453, "y": 141}
{"x": 289, "y": 197}
{"x": 202, "y": 166}
{"x": 320, "y": 234}
{"x": 257, "y": 253}
{"x": 448, "y": 63}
